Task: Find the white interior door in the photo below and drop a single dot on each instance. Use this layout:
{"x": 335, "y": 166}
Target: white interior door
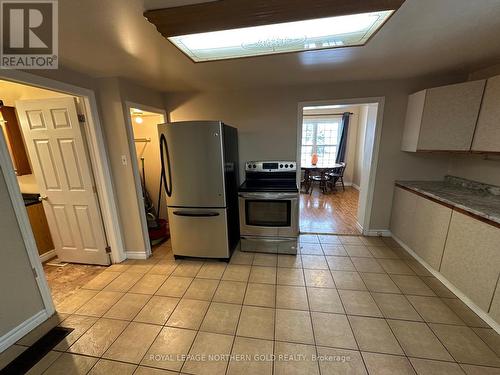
{"x": 55, "y": 142}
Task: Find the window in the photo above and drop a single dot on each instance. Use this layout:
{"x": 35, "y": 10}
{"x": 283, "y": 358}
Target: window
{"x": 321, "y": 137}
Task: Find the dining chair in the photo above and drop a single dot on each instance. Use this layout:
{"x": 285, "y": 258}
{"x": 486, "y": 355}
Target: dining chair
{"x": 322, "y": 178}
{"x": 305, "y": 181}
{"x": 337, "y": 175}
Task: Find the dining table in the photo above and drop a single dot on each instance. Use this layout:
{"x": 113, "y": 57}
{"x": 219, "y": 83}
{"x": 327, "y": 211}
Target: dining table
{"x": 318, "y": 170}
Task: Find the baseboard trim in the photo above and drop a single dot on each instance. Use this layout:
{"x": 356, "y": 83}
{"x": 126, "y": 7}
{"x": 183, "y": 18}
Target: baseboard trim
{"x": 136, "y": 255}
{"x": 48, "y": 255}
{"x": 377, "y": 233}
{"x": 355, "y": 186}
{"x": 359, "y": 226}
{"x": 480, "y": 312}
{"x": 14, "y": 335}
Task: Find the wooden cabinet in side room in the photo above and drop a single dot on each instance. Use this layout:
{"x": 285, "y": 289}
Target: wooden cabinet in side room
{"x": 471, "y": 259}
{"x": 443, "y": 118}
{"x": 432, "y": 221}
{"x": 40, "y": 227}
{"x": 487, "y": 135}
{"x": 403, "y": 216}
{"x": 15, "y": 141}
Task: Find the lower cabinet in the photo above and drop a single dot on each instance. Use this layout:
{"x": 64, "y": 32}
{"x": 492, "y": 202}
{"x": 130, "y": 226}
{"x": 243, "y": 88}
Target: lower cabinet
{"x": 403, "y": 216}
{"x": 40, "y": 227}
{"x": 471, "y": 258}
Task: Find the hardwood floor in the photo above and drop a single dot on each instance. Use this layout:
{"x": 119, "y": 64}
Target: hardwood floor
{"x": 333, "y": 213}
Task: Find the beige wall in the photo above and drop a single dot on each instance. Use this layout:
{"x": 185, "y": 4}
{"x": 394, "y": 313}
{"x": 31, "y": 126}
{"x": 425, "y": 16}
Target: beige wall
{"x": 19, "y": 295}
{"x": 267, "y": 125}
{"x": 360, "y": 145}
{"x": 475, "y": 167}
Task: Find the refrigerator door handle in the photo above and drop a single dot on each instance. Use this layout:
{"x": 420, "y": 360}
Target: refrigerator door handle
{"x": 195, "y": 214}
{"x": 164, "y": 148}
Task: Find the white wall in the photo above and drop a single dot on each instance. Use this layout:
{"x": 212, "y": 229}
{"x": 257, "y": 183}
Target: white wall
{"x": 267, "y": 126}
{"x": 360, "y": 145}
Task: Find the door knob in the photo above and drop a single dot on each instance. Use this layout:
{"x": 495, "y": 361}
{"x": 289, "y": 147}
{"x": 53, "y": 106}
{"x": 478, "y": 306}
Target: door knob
{"x": 42, "y": 198}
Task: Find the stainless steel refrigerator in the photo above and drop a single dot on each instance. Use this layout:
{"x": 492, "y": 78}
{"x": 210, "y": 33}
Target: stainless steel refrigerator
{"x": 200, "y": 175}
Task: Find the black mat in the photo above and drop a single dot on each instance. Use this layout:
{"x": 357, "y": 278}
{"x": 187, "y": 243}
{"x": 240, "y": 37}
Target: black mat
{"x": 36, "y": 352}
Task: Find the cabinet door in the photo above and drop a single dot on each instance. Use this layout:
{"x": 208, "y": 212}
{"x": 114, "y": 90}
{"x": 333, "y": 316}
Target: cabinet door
{"x": 487, "y": 136}
{"x": 16, "y": 142}
{"x": 403, "y": 215}
{"x": 471, "y": 259}
{"x": 450, "y": 116}
{"x": 432, "y": 221}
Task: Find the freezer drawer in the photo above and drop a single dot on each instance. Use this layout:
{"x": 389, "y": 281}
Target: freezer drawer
{"x": 269, "y": 245}
{"x": 199, "y": 232}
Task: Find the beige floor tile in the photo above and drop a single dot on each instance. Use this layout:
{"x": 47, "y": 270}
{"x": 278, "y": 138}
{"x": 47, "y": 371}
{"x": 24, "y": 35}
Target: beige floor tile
{"x": 266, "y": 260}
{"x": 417, "y": 340}
{"x": 43, "y": 364}
{"x": 338, "y": 263}
{"x": 357, "y": 251}
{"x": 189, "y": 314}
{"x": 438, "y": 287}
{"x": 157, "y": 310}
{"x": 469, "y": 317}
{"x": 465, "y": 346}
{"x": 379, "y": 282}
{"x": 128, "y": 306}
{"x": 99, "y": 304}
{"x": 334, "y": 249}
{"x": 433, "y": 310}
{"x": 256, "y": 322}
{"x": 107, "y": 367}
{"x": 168, "y": 348}
{"x": 480, "y": 370}
{"x": 395, "y": 266}
{"x": 263, "y": 275}
{"x": 187, "y": 268}
{"x": 206, "y": 345}
{"x": 372, "y": 241}
{"x": 123, "y": 282}
{"x": 174, "y": 286}
{"x": 212, "y": 270}
{"x": 9, "y": 354}
{"x": 71, "y": 364}
{"x": 80, "y": 324}
{"x": 142, "y": 266}
{"x": 291, "y": 297}
{"x": 417, "y": 267}
{"x": 324, "y": 300}
{"x": 367, "y": 265}
{"x": 308, "y": 238}
{"x": 221, "y": 318}
{"x": 428, "y": 367}
{"x": 99, "y": 337}
{"x": 316, "y": 262}
{"x": 340, "y": 362}
{"x": 333, "y": 330}
{"x": 101, "y": 280}
{"x": 382, "y": 252}
{"x": 382, "y": 364}
{"x": 286, "y": 365}
{"x": 310, "y": 248}
{"x": 294, "y": 326}
{"x": 142, "y": 370}
{"x": 328, "y": 239}
{"x": 319, "y": 278}
{"x": 359, "y": 303}
{"x": 289, "y": 261}
{"x": 230, "y": 292}
{"x": 240, "y": 257}
{"x": 133, "y": 343}
{"x": 246, "y": 357}
{"x": 290, "y": 276}
{"x": 374, "y": 335}
{"x": 202, "y": 289}
{"x": 351, "y": 240}
{"x": 148, "y": 284}
{"x": 236, "y": 272}
{"x": 348, "y": 280}
{"x": 75, "y": 301}
{"x": 412, "y": 285}
{"x": 396, "y": 306}
{"x": 263, "y": 295}
{"x": 119, "y": 267}
{"x": 490, "y": 337}
{"x": 163, "y": 269}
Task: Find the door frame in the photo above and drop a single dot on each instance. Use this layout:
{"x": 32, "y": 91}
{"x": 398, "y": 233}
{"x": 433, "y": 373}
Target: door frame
{"x": 135, "y": 167}
{"x": 380, "y": 100}
{"x": 98, "y": 157}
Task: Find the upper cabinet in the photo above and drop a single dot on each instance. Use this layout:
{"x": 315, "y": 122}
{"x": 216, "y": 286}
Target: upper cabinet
{"x": 15, "y": 141}
{"x": 443, "y": 118}
{"x": 487, "y": 136}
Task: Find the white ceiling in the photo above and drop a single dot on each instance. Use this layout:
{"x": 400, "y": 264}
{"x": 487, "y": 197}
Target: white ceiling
{"x": 11, "y": 91}
{"x": 112, "y": 38}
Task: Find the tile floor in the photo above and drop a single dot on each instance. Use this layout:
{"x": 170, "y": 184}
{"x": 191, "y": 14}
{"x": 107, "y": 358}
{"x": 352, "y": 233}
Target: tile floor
{"x": 344, "y": 305}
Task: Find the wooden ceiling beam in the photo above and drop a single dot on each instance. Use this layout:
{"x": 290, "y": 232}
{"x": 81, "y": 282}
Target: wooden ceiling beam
{"x": 233, "y": 14}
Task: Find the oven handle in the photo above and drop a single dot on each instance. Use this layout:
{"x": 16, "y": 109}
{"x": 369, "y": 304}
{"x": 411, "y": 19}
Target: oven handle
{"x": 269, "y": 196}
{"x": 195, "y": 214}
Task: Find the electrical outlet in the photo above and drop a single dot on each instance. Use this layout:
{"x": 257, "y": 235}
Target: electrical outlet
{"x": 124, "y": 159}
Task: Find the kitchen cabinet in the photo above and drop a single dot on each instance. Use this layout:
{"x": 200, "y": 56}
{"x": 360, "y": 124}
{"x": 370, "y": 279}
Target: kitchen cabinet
{"x": 487, "y": 135}
{"x": 471, "y": 258}
{"x": 443, "y": 118}
{"x": 40, "y": 227}
{"x": 15, "y": 141}
{"x": 430, "y": 230}
{"x": 403, "y": 216}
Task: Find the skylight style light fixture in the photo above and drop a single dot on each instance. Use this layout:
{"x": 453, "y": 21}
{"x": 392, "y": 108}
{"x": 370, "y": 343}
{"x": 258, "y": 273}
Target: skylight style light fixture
{"x": 297, "y": 36}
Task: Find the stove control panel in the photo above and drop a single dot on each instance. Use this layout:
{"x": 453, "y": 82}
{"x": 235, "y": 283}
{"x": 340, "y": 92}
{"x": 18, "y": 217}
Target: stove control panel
{"x": 271, "y": 166}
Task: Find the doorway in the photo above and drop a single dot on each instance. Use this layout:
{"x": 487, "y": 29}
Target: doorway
{"x": 145, "y": 152}
{"x": 336, "y": 146}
